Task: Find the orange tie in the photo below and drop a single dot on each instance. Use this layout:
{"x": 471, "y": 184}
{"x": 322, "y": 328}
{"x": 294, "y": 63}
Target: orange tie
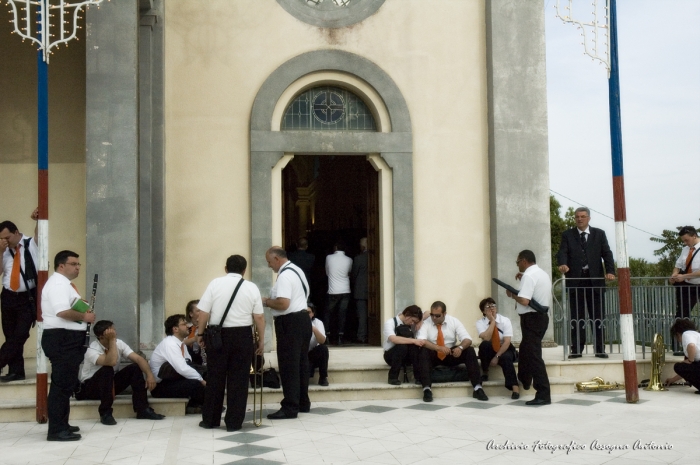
{"x": 76, "y": 289}
{"x": 440, "y": 342}
{"x": 16, "y": 265}
{"x": 182, "y": 349}
{"x": 688, "y": 261}
{"x": 495, "y": 339}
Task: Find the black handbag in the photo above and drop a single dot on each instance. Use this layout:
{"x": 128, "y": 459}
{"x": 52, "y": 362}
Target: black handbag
{"x": 212, "y": 335}
{"x": 265, "y": 378}
{"x": 403, "y": 330}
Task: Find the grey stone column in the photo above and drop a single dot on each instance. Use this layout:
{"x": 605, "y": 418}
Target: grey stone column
{"x": 112, "y": 162}
{"x": 261, "y": 164}
{"x": 518, "y": 151}
{"x": 402, "y": 191}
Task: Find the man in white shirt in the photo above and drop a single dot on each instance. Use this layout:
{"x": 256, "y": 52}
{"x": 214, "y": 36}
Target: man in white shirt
{"x": 63, "y": 342}
{"x": 288, "y": 301}
{"x": 491, "y": 328}
{"x": 318, "y": 350}
{"x": 338, "y": 267}
{"x": 684, "y": 332}
{"x": 441, "y": 334}
{"x": 535, "y": 285}
{"x": 228, "y": 368}
{"x": 102, "y": 376}
{"x": 169, "y": 364}
{"x": 686, "y": 274}
{"x": 18, "y": 297}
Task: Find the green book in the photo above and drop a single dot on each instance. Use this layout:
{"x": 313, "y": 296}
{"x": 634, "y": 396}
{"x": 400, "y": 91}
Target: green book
{"x": 79, "y": 305}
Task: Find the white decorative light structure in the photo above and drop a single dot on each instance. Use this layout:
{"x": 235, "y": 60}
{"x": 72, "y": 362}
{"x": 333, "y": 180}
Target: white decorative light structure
{"x": 48, "y": 23}
{"x": 595, "y": 33}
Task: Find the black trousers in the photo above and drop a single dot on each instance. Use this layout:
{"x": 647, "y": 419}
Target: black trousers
{"x": 65, "y": 350}
{"x": 228, "y": 370}
{"x": 689, "y": 372}
{"x": 293, "y": 332}
{"x": 318, "y": 358}
{"x": 687, "y": 295}
{"x": 99, "y": 387}
{"x": 428, "y": 359}
{"x": 400, "y": 355}
{"x": 191, "y": 389}
{"x": 587, "y": 294}
{"x": 506, "y": 360}
{"x": 531, "y": 367}
{"x": 17, "y": 318}
{"x": 337, "y": 312}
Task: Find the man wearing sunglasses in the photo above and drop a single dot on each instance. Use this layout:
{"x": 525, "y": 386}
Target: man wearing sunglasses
{"x": 441, "y": 334}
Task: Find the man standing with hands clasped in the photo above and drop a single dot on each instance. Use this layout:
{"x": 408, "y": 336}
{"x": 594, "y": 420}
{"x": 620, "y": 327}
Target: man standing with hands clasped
{"x": 63, "y": 342}
{"x": 287, "y": 301}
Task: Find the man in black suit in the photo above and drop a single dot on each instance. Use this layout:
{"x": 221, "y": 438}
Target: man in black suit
{"x": 582, "y": 253}
{"x": 302, "y": 258}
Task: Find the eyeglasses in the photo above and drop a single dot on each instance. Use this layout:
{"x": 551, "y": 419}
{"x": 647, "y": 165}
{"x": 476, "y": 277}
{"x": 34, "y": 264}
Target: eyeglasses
{"x": 490, "y": 306}
{"x": 435, "y": 315}
{"x": 518, "y": 261}
{"x": 73, "y": 264}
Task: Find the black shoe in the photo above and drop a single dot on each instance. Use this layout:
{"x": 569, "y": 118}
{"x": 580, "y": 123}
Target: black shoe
{"x": 280, "y": 415}
{"x": 394, "y": 382}
{"x": 205, "y": 425}
{"x": 515, "y": 396}
{"x": 427, "y": 395}
{"x": 678, "y": 353}
{"x": 73, "y": 429}
{"x": 149, "y": 414}
{"x": 108, "y": 419}
{"x": 602, "y": 355}
{"x": 231, "y": 429}
{"x": 11, "y": 377}
{"x": 63, "y": 436}
{"x": 323, "y": 382}
{"x": 538, "y": 402}
{"x": 304, "y": 409}
{"x": 572, "y": 356}
{"x": 480, "y": 394}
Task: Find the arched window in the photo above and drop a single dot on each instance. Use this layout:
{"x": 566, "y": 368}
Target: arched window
{"x": 328, "y": 109}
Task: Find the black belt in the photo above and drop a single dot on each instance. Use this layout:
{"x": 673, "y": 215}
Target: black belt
{"x": 274, "y": 318}
{"x": 4, "y": 289}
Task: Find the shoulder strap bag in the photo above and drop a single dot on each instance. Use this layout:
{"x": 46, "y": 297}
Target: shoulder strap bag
{"x": 212, "y": 335}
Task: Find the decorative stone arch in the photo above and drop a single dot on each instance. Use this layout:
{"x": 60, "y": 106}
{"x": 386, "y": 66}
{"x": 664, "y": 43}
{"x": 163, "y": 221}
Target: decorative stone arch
{"x": 391, "y": 149}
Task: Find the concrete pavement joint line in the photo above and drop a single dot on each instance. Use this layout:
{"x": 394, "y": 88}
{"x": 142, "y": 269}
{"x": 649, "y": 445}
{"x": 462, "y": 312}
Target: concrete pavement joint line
{"x": 174, "y": 441}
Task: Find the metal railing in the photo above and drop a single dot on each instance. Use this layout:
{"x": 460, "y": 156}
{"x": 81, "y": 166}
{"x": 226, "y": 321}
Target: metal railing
{"x": 655, "y": 306}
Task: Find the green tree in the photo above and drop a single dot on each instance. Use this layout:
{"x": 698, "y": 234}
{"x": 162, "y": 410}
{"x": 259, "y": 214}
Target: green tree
{"x": 669, "y": 252}
{"x": 558, "y": 225}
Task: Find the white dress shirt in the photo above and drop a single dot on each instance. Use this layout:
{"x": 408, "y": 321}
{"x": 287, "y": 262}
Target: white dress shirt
{"x": 289, "y": 286}
{"x": 90, "y": 366}
{"x": 318, "y": 324}
{"x": 680, "y": 263}
{"x": 534, "y": 284}
{"x": 170, "y": 350}
{"x": 503, "y": 323}
{"x": 338, "y": 267}
{"x": 8, "y": 260}
{"x": 452, "y": 330}
{"x": 691, "y": 337}
{"x": 56, "y": 297}
{"x": 217, "y": 295}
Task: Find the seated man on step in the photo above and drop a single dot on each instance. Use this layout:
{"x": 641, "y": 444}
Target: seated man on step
{"x": 496, "y": 331}
{"x": 400, "y": 344}
{"x": 102, "y": 377}
{"x": 440, "y": 336}
{"x": 318, "y": 350}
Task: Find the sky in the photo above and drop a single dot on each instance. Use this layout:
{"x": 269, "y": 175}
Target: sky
{"x": 659, "y": 66}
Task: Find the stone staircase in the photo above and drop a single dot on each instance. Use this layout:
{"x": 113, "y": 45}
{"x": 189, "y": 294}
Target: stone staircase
{"x": 355, "y": 373}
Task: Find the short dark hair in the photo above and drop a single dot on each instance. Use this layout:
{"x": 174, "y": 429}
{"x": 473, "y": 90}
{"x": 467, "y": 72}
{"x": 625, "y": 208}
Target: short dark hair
{"x": 172, "y": 321}
{"x": 528, "y": 256}
{"x": 62, "y": 258}
{"x": 188, "y": 309}
{"x": 413, "y": 311}
{"x": 487, "y": 300}
{"x": 340, "y": 245}
{"x": 277, "y": 250}
{"x": 101, "y": 326}
{"x": 9, "y": 225}
{"x": 236, "y": 264}
{"x": 302, "y": 243}
{"x": 682, "y": 325}
{"x": 691, "y": 231}
{"x": 440, "y": 305}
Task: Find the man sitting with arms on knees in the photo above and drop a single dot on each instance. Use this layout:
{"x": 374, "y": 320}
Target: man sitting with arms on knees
{"x": 101, "y": 372}
{"x": 318, "y": 350}
{"x": 496, "y": 331}
{"x": 440, "y": 348}
{"x": 689, "y": 369}
{"x": 400, "y": 345}
{"x": 170, "y": 365}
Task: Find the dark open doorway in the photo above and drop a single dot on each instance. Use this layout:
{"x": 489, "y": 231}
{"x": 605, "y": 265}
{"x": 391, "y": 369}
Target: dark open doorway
{"x": 326, "y": 198}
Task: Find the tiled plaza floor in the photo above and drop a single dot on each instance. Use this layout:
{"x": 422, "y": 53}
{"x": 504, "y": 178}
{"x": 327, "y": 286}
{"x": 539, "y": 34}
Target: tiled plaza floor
{"x": 447, "y": 431}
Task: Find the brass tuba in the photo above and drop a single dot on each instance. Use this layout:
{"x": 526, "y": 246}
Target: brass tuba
{"x": 658, "y": 359}
{"x": 597, "y": 384}
{"x": 256, "y": 371}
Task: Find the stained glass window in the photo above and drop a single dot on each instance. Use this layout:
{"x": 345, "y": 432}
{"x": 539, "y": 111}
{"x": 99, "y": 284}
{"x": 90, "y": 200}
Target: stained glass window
{"x": 328, "y": 109}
